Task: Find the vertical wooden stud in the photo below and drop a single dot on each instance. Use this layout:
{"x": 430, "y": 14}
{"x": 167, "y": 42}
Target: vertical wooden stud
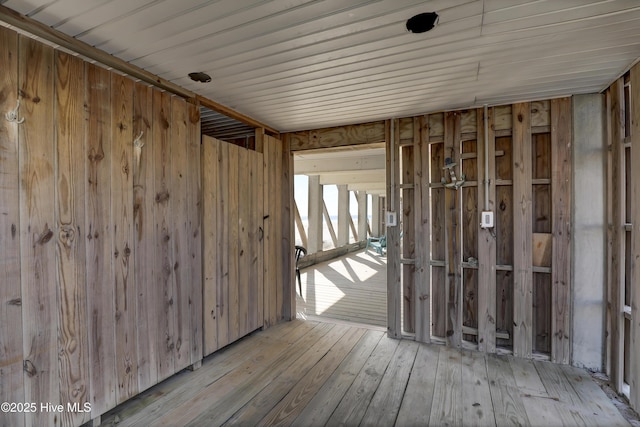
{"x": 422, "y": 173}
{"x": 393, "y": 233}
{"x": 408, "y": 237}
{"x": 211, "y": 267}
{"x": 486, "y": 238}
{"x": 220, "y": 310}
{"x": 288, "y": 239}
{"x": 522, "y": 231}
{"x": 233, "y": 244}
{"x": 561, "y": 140}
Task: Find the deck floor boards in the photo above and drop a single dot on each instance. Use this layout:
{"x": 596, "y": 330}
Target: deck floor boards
{"x": 310, "y": 373}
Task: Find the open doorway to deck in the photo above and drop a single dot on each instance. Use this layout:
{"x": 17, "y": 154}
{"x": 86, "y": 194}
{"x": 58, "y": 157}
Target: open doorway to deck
{"x": 339, "y": 205}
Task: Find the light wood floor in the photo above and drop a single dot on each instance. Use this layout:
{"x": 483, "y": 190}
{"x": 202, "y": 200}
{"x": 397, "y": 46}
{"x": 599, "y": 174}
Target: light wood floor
{"x": 351, "y": 288}
{"x": 307, "y": 373}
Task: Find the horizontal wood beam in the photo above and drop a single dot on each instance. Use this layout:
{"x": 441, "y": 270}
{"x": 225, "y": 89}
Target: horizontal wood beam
{"x": 353, "y": 177}
{"x": 65, "y": 41}
{"x": 338, "y": 164}
{"x": 367, "y": 133}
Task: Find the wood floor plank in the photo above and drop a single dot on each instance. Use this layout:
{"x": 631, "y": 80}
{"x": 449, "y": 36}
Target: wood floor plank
{"x": 320, "y": 408}
{"x": 507, "y": 404}
{"x": 446, "y": 408}
{"x": 385, "y": 405}
{"x": 233, "y": 392}
{"x": 539, "y": 405}
{"x": 418, "y": 397}
{"x": 294, "y": 402}
{"x": 477, "y": 408}
{"x": 356, "y": 400}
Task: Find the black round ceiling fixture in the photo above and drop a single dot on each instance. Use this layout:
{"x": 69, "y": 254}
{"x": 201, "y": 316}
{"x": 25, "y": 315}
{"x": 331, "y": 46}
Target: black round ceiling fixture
{"x": 422, "y": 22}
{"x": 200, "y": 77}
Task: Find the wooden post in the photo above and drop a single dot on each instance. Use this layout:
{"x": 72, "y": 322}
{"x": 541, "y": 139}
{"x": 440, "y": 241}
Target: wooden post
{"x": 409, "y": 153}
{"x": 486, "y": 239}
{"x": 393, "y": 232}
{"x": 452, "y": 233}
{"x": 522, "y": 232}
{"x": 361, "y": 197}
{"x": 561, "y": 150}
{"x": 343, "y": 215}
{"x": 315, "y": 214}
{"x": 422, "y": 275}
{"x": 300, "y": 226}
{"x": 375, "y": 216}
{"x": 635, "y": 245}
{"x": 616, "y": 222}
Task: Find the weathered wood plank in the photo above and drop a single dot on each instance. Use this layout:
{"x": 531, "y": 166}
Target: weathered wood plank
{"x": 522, "y": 232}
{"x": 287, "y": 241}
{"x": 470, "y": 230}
{"x": 323, "y": 403}
{"x": 438, "y": 241}
{"x": 616, "y": 222}
{"x": 452, "y": 234}
{"x": 194, "y": 212}
{"x": 73, "y": 357}
{"x": 418, "y": 396}
{"x": 143, "y": 243}
{"x": 393, "y": 233}
{"x": 508, "y": 406}
{"x": 269, "y": 256}
{"x": 635, "y": 245}
{"x": 259, "y": 224}
{"x": 561, "y": 140}
{"x": 180, "y": 230}
{"x": 122, "y": 241}
{"x": 280, "y": 251}
{"x": 477, "y": 406}
{"x": 165, "y": 284}
{"x": 100, "y": 291}
{"x": 486, "y": 237}
{"x": 385, "y": 404}
{"x": 354, "y": 404}
{"x": 366, "y": 133}
{"x": 234, "y": 243}
{"x": 540, "y": 113}
{"x": 243, "y": 252}
{"x": 409, "y": 238}
{"x": 221, "y": 256}
{"x": 210, "y": 242}
{"x": 446, "y": 408}
{"x": 422, "y": 174}
{"x": 295, "y": 399}
{"x": 11, "y": 332}
{"x": 436, "y": 125}
{"x": 568, "y": 404}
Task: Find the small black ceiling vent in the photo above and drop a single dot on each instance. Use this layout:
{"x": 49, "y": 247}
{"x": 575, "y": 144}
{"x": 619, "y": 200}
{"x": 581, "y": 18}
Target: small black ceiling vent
{"x": 422, "y": 22}
{"x": 200, "y": 77}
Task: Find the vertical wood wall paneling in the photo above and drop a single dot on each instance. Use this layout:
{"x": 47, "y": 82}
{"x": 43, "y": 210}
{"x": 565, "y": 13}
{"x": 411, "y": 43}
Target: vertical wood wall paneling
{"x": 610, "y": 233}
{"x": 143, "y": 242}
{"x": 38, "y": 228}
{"x": 179, "y": 224}
{"x": 522, "y": 231}
{"x": 408, "y": 236}
{"x": 73, "y": 338}
{"x": 452, "y": 233}
{"x": 194, "y": 203}
{"x": 393, "y": 233}
{"x": 233, "y": 244}
{"x": 273, "y": 227}
{"x": 635, "y": 248}
{"x": 561, "y": 222}
{"x": 486, "y": 238}
{"x": 122, "y": 220}
{"x": 211, "y": 265}
{"x": 222, "y": 245}
{"x": 259, "y": 225}
{"x": 252, "y": 242}
{"x": 422, "y": 174}
{"x": 100, "y": 292}
{"x": 165, "y": 285}
{"x": 269, "y": 256}
{"x": 288, "y": 234}
{"x": 616, "y": 222}
{"x": 11, "y": 374}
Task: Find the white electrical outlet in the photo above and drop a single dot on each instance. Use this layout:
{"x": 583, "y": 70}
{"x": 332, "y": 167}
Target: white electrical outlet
{"x": 486, "y": 219}
{"x": 392, "y": 219}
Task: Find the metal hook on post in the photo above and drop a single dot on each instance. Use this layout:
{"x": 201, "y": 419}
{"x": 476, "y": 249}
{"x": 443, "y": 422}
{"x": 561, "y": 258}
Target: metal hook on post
{"x": 12, "y": 116}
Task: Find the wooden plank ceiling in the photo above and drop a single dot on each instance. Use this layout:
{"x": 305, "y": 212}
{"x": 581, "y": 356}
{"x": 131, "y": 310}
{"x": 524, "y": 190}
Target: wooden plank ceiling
{"x": 304, "y": 64}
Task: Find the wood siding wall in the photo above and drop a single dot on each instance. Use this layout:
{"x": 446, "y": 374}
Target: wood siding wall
{"x": 623, "y": 201}
{"x": 499, "y": 287}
